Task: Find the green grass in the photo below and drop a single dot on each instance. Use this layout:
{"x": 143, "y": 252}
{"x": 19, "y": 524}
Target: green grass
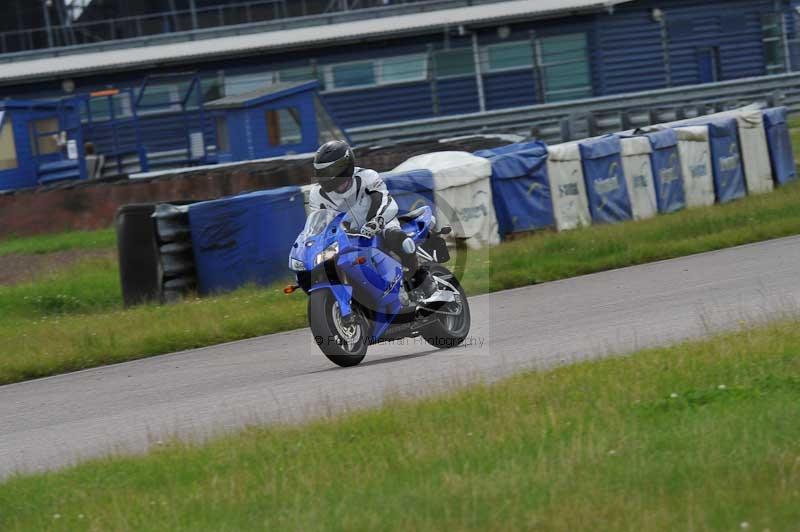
{"x": 700, "y": 436}
{"x": 74, "y": 319}
{"x": 104, "y": 238}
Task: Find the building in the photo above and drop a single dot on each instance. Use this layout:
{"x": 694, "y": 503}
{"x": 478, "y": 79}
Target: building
{"x": 436, "y": 60}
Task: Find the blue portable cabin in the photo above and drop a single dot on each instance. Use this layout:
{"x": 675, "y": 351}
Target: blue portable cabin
{"x": 272, "y": 121}
{"x": 41, "y": 142}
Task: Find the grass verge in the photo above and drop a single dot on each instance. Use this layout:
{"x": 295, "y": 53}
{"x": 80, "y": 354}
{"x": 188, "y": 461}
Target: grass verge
{"x": 74, "y": 320}
{"x": 699, "y": 436}
{"x": 40, "y": 244}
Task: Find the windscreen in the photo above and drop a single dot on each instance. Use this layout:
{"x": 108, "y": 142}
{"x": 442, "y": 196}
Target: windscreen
{"x": 317, "y": 221}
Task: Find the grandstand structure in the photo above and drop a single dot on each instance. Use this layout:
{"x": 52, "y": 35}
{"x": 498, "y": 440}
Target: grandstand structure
{"x": 375, "y": 61}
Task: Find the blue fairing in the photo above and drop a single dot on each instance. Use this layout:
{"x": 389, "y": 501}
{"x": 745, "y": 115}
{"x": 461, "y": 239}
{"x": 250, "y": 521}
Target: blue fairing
{"x": 363, "y": 270}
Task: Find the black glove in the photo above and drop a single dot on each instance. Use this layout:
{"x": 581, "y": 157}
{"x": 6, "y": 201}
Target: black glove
{"x": 372, "y": 227}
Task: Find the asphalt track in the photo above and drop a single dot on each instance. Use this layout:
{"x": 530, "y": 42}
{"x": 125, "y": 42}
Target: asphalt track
{"x": 56, "y": 421}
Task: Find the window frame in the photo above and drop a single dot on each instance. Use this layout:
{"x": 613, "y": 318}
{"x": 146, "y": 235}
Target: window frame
{"x": 777, "y": 40}
{"x": 475, "y": 68}
{"x": 7, "y": 126}
{"x": 486, "y": 56}
{"x": 377, "y": 70}
{"x": 542, "y": 67}
{"x": 276, "y": 111}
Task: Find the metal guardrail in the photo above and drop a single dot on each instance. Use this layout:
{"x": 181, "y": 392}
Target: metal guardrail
{"x": 561, "y": 122}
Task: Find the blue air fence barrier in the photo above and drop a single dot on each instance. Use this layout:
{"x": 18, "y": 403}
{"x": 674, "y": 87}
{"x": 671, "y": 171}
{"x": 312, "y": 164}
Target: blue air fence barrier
{"x": 667, "y": 174}
{"x": 726, "y": 158}
{"x": 246, "y": 238}
{"x": 605, "y": 182}
{"x": 780, "y": 145}
{"x": 411, "y": 189}
{"x": 520, "y": 186}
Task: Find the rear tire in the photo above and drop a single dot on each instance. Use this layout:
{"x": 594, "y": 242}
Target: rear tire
{"x": 448, "y": 331}
{"x": 344, "y": 343}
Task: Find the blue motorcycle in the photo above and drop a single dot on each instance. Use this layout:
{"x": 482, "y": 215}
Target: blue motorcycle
{"x": 357, "y": 291}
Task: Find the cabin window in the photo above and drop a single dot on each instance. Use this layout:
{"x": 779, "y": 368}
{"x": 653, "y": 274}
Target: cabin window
{"x": 564, "y": 61}
{"x": 403, "y": 68}
{"x": 46, "y": 135}
{"x": 283, "y": 126}
{"x": 223, "y": 137}
{"x": 235, "y": 85}
{"x": 357, "y": 74}
{"x": 772, "y": 36}
{"x": 8, "y": 147}
{"x": 508, "y": 56}
{"x": 100, "y": 107}
{"x": 159, "y": 99}
{"x": 455, "y": 62}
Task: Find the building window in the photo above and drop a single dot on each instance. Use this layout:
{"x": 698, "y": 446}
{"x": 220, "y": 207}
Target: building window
{"x": 508, "y": 56}
{"x": 235, "y": 85}
{"x": 223, "y": 137}
{"x": 8, "y": 147}
{"x": 302, "y": 73}
{"x": 47, "y": 136}
{"x": 283, "y": 126}
{"x": 358, "y": 74}
{"x": 564, "y": 62}
{"x": 403, "y": 68}
{"x": 159, "y": 99}
{"x": 456, "y": 62}
{"x": 772, "y": 37}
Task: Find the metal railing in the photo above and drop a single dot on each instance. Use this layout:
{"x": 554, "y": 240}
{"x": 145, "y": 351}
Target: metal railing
{"x": 189, "y": 24}
{"x": 561, "y": 122}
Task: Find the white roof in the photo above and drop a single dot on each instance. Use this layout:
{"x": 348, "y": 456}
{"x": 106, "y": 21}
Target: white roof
{"x": 214, "y": 48}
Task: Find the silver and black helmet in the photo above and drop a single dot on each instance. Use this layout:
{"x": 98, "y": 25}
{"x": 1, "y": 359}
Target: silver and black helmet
{"x": 334, "y": 164}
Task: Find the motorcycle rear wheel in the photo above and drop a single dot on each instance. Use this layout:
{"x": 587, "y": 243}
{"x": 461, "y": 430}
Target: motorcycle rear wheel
{"x": 448, "y": 331}
{"x": 343, "y": 341}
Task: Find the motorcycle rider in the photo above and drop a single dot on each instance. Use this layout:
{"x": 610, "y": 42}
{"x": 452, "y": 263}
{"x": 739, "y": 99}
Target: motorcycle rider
{"x": 344, "y": 187}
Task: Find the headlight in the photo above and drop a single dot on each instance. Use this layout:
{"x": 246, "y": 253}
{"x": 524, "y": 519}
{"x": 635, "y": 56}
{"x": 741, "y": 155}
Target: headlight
{"x": 329, "y": 253}
{"x": 297, "y": 265}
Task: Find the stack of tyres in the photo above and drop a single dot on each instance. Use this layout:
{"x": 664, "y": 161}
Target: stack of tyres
{"x": 137, "y": 247}
{"x": 175, "y": 251}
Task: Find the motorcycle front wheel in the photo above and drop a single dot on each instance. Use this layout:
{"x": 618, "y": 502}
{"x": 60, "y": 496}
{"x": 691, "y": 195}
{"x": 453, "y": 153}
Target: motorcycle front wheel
{"x": 342, "y": 340}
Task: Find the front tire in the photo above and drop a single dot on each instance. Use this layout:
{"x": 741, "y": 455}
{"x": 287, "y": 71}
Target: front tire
{"x": 343, "y": 341}
{"x": 449, "y": 330}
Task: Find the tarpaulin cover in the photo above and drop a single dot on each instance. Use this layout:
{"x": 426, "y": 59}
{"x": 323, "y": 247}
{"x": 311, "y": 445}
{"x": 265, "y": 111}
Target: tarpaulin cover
{"x": 567, "y": 186}
{"x": 695, "y": 157}
{"x": 780, "y": 145}
{"x": 463, "y": 194}
{"x": 246, "y": 238}
{"x": 520, "y": 187}
{"x": 726, "y": 160}
{"x": 411, "y": 189}
{"x": 605, "y": 182}
{"x": 667, "y": 172}
{"x": 638, "y": 172}
{"x": 753, "y": 145}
